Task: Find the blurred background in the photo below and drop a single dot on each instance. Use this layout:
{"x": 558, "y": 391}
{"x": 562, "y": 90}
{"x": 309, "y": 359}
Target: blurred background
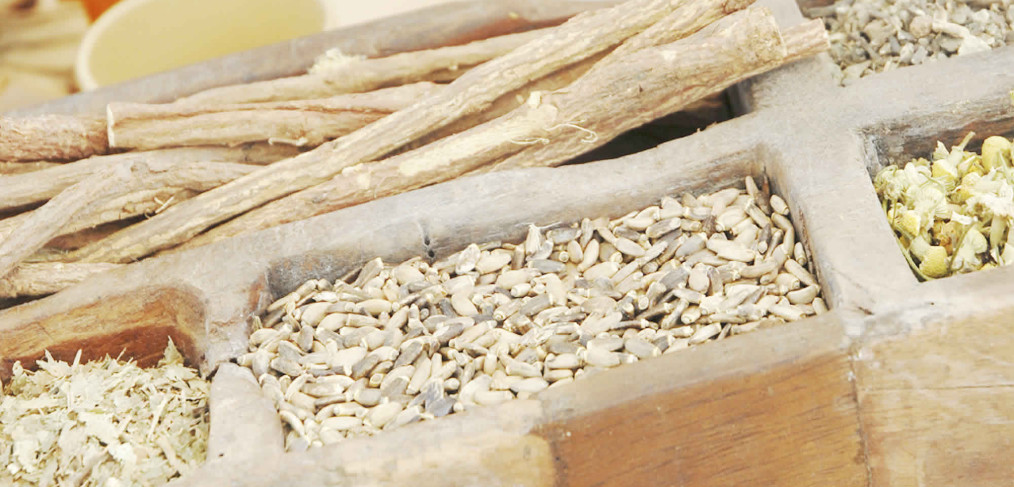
{"x": 43, "y": 41}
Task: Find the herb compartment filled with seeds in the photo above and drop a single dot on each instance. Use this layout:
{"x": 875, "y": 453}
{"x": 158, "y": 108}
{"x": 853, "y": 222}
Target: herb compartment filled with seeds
{"x": 393, "y": 344}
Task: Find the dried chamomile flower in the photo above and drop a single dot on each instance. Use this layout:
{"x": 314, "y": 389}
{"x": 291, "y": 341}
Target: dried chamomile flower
{"x": 953, "y": 214}
{"x": 102, "y": 423}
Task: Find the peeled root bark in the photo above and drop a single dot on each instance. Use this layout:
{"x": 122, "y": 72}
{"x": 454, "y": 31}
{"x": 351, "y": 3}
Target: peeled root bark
{"x": 581, "y": 37}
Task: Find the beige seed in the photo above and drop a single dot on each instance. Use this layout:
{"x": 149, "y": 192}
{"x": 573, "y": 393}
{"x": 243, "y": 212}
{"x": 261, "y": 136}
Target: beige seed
{"x": 598, "y": 357}
{"x": 521, "y": 290}
{"x": 819, "y": 307}
{"x": 609, "y": 343}
{"x": 512, "y": 278}
{"x": 595, "y": 324}
{"x": 641, "y": 348}
{"x": 805, "y": 295}
{"x": 563, "y": 361}
{"x": 467, "y": 259}
{"x": 349, "y": 409}
{"x": 293, "y": 421}
{"x": 368, "y": 397}
{"x": 705, "y": 333}
{"x": 341, "y": 423}
{"x": 786, "y": 282}
{"x": 323, "y": 388}
{"x": 522, "y": 369}
{"x": 375, "y": 306}
{"x": 286, "y": 366}
{"x": 303, "y": 402}
{"x": 330, "y": 437}
{"x": 677, "y": 345}
{"x": 406, "y": 273}
{"x": 558, "y": 374}
{"x": 591, "y": 255}
{"x": 787, "y": 312}
{"x": 575, "y": 252}
{"x": 731, "y": 250}
{"x": 729, "y": 218}
{"x": 698, "y": 280}
{"x": 800, "y": 272}
{"x": 778, "y": 205}
{"x": 628, "y": 247}
{"x": 490, "y": 398}
{"x": 380, "y": 415}
{"x": 263, "y": 335}
{"x": 530, "y": 385}
{"x": 493, "y": 262}
{"x": 462, "y": 305}
{"x": 345, "y": 359}
{"x": 423, "y": 370}
{"x": 601, "y": 270}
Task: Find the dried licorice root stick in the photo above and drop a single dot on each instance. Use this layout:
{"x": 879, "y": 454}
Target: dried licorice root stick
{"x": 42, "y": 278}
{"x": 51, "y": 138}
{"x": 38, "y": 186}
{"x": 12, "y": 168}
{"x": 718, "y": 56}
{"x": 799, "y": 42}
{"x": 359, "y": 75}
{"x": 47, "y": 220}
{"x": 163, "y": 189}
{"x": 581, "y": 37}
{"x": 302, "y": 123}
{"x": 88, "y": 202}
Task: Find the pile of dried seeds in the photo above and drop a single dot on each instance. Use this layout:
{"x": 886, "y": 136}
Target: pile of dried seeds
{"x": 496, "y": 322}
{"x": 871, "y": 36}
{"x": 104, "y": 423}
{"x": 953, "y": 214}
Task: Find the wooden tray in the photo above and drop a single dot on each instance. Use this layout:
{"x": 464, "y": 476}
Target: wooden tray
{"x": 902, "y": 383}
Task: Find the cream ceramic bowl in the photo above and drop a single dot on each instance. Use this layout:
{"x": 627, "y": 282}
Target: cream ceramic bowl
{"x": 140, "y": 37}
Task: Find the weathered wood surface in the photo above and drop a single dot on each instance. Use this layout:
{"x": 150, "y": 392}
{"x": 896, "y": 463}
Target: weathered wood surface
{"x": 902, "y": 384}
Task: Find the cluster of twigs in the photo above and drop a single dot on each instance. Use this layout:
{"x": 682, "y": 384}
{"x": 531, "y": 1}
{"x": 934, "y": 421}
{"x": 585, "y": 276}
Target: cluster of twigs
{"x": 232, "y": 160}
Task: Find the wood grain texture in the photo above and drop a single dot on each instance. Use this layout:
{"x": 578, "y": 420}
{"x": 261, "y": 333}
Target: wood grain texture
{"x": 488, "y": 446}
{"x": 775, "y": 407}
{"x": 135, "y": 325}
{"x": 937, "y": 398}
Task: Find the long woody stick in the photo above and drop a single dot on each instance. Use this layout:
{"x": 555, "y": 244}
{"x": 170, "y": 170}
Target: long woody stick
{"x": 669, "y": 78}
{"x": 580, "y": 38}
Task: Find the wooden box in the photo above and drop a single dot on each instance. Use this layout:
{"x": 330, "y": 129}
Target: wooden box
{"x": 902, "y": 383}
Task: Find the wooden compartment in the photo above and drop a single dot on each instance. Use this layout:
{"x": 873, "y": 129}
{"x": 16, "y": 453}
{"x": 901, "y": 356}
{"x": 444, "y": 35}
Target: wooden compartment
{"x": 901, "y": 383}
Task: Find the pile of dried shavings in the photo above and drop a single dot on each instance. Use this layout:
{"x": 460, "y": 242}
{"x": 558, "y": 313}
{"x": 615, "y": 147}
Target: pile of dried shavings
{"x": 104, "y": 423}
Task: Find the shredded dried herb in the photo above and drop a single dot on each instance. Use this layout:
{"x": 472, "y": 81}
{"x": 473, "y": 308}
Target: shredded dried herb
{"x": 103, "y": 423}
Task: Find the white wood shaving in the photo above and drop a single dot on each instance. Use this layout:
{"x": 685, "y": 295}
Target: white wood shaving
{"x": 102, "y": 423}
